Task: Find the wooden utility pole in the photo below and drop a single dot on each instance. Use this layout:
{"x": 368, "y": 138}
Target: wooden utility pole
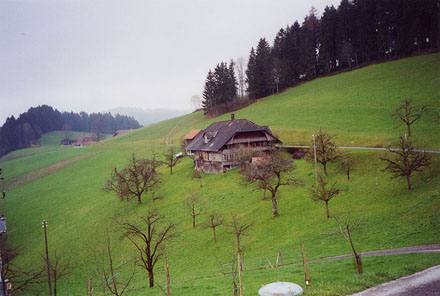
{"x": 279, "y": 256}
{"x": 306, "y": 267}
{"x": 167, "y": 273}
{"x": 47, "y": 257}
{"x": 316, "y": 165}
{"x": 90, "y": 287}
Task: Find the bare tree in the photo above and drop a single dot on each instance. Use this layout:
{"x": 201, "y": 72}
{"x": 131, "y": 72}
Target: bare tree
{"x": 148, "y": 239}
{"x": 276, "y": 73}
{"x": 320, "y": 192}
{"x": 437, "y": 117}
{"x": 170, "y": 158}
{"x": 196, "y": 101}
{"x": 239, "y": 229}
{"x": 325, "y": 150}
{"x": 345, "y": 228}
{"x": 109, "y": 272}
{"x": 67, "y": 131}
{"x": 98, "y": 127}
{"x": 58, "y": 269}
{"x": 347, "y": 52}
{"x": 155, "y": 197}
{"x": 134, "y": 181}
{"x": 272, "y": 172}
{"x": 193, "y": 205}
{"x": 22, "y": 278}
{"x": 409, "y": 114}
{"x": 197, "y": 175}
{"x": 406, "y": 161}
{"x": 240, "y": 69}
{"x": 213, "y": 220}
{"x": 347, "y": 165}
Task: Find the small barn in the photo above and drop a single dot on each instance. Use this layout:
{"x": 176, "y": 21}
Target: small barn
{"x": 221, "y": 145}
{"x": 68, "y": 142}
{"x": 86, "y": 140}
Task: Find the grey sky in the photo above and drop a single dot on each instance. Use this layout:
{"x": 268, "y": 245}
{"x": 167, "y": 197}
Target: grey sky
{"x": 97, "y": 55}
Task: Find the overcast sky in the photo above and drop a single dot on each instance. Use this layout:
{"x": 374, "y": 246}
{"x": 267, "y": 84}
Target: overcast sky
{"x": 96, "y": 55}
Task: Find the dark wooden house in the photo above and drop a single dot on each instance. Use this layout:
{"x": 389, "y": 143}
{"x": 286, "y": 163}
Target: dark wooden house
{"x": 222, "y": 145}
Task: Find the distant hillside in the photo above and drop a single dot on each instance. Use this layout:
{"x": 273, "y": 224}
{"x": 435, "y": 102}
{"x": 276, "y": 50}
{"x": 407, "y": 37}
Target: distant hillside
{"x": 148, "y": 116}
{"x": 36, "y": 121}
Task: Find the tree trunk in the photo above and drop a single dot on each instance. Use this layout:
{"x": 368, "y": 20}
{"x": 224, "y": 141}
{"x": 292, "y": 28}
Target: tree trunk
{"x": 200, "y": 180}
{"x": 171, "y": 169}
{"x": 326, "y": 208}
{"x": 194, "y": 221}
{"x": 409, "y": 129}
{"x": 275, "y": 206}
{"x": 348, "y": 173}
{"x": 408, "y": 180}
{"x": 54, "y": 284}
{"x": 239, "y": 275}
{"x": 150, "y": 278}
{"x": 325, "y": 169}
{"x": 139, "y": 200}
{"x": 215, "y": 237}
{"x": 3, "y": 286}
{"x": 359, "y": 263}
{"x": 356, "y": 255}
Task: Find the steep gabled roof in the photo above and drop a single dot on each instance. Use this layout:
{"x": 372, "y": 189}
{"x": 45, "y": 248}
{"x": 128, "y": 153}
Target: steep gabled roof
{"x": 219, "y": 133}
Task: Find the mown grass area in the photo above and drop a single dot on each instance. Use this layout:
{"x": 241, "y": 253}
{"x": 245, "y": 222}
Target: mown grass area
{"x": 26, "y": 160}
{"x": 79, "y": 213}
{"x": 55, "y": 138}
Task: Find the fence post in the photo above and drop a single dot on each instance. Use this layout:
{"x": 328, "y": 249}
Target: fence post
{"x": 90, "y": 286}
{"x": 306, "y": 274}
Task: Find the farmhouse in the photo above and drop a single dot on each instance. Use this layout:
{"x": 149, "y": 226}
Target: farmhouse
{"x": 222, "y": 145}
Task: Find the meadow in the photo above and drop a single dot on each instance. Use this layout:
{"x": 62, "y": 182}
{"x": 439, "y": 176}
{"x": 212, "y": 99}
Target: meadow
{"x": 355, "y": 107}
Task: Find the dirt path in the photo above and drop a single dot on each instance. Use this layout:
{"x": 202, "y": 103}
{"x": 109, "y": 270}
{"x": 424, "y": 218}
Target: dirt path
{"x": 167, "y": 139}
{"x": 426, "y": 282}
{"x": 395, "y": 251}
{"x": 363, "y": 148}
{"x": 43, "y": 172}
{"x": 404, "y": 250}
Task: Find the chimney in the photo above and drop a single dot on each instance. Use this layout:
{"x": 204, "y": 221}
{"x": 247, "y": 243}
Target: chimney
{"x": 232, "y": 116}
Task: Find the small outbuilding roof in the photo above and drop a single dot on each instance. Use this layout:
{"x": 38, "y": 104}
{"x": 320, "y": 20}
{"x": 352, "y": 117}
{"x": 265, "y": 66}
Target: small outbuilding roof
{"x": 192, "y": 134}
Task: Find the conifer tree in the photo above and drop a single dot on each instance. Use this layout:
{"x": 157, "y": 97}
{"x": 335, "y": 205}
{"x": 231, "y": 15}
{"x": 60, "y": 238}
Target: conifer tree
{"x": 209, "y": 101}
{"x": 250, "y": 74}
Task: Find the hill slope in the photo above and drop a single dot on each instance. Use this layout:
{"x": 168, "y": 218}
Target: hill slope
{"x": 355, "y": 106}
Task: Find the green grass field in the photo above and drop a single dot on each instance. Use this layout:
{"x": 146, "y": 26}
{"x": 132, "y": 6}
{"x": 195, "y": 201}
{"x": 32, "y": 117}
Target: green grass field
{"x": 353, "y": 106}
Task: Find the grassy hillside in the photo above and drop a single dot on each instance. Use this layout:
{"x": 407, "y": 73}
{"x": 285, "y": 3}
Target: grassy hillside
{"x": 49, "y": 151}
{"x": 354, "y": 106}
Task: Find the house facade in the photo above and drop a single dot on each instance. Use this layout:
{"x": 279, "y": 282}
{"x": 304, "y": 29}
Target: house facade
{"x": 222, "y": 145}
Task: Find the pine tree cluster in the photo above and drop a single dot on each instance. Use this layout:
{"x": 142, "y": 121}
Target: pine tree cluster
{"x": 356, "y": 33}
{"x": 220, "y": 89}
